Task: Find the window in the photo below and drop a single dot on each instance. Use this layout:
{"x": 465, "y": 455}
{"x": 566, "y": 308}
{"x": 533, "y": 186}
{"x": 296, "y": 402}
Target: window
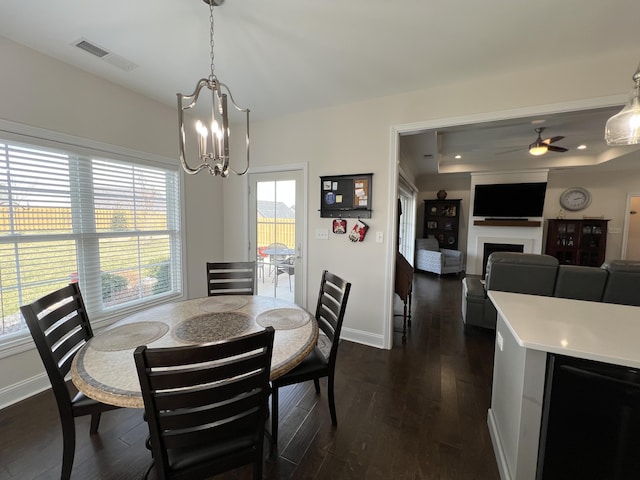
{"x": 110, "y": 224}
{"x": 406, "y": 222}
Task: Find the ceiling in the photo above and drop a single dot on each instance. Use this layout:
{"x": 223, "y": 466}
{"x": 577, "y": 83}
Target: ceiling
{"x": 504, "y": 145}
{"x": 285, "y": 56}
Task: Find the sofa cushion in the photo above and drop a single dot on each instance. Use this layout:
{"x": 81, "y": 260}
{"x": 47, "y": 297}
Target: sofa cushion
{"x": 528, "y": 273}
{"x": 580, "y": 283}
{"x": 623, "y": 283}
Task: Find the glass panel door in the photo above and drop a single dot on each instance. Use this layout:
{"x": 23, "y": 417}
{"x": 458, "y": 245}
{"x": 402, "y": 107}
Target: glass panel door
{"x": 276, "y": 230}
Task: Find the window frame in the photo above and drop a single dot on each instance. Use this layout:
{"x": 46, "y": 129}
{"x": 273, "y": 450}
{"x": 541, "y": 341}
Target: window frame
{"x": 14, "y": 343}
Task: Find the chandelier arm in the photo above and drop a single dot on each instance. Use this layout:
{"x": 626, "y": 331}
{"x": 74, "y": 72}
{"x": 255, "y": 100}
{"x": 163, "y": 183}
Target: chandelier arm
{"x": 182, "y": 135}
{"x": 246, "y": 169}
{"x": 235, "y": 105}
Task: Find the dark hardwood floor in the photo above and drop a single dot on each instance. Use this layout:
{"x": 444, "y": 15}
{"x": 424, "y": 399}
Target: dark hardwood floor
{"x": 418, "y": 411}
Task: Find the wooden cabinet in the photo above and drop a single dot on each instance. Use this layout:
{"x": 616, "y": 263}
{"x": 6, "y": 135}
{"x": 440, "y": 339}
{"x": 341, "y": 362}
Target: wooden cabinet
{"x": 577, "y": 242}
{"x": 441, "y": 219}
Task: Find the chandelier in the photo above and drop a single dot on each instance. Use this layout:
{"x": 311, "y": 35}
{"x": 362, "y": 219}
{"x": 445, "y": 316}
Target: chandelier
{"x": 212, "y": 135}
{"x": 624, "y": 127}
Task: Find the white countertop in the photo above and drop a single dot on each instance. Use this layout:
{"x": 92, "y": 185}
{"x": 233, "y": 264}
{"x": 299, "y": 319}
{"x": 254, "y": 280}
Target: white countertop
{"x": 598, "y": 331}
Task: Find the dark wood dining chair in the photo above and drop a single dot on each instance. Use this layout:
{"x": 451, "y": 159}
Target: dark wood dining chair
{"x": 332, "y": 302}
{"x": 60, "y": 326}
{"x": 206, "y": 405}
{"x": 231, "y": 278}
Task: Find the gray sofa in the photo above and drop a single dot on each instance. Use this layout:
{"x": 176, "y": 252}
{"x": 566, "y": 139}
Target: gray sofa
{"x": 617, "y": 281}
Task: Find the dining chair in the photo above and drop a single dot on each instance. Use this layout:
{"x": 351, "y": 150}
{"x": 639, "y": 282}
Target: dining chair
{"x": 206, "y": 406}
{"x": 60, "y": 326}
{"x": 285, "y": 266}
{"x": 231, "y": 278}
{"x": 332, "y": 302}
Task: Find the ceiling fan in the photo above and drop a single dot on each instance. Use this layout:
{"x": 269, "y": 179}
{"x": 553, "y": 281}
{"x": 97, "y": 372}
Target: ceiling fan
{"x": 540, "y": 147}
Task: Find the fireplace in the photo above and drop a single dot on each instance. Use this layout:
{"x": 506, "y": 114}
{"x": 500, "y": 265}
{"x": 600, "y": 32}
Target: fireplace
{"x": 489, "y": 248}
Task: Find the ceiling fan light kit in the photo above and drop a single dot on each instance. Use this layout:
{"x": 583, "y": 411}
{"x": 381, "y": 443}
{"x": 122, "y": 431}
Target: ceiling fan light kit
{"x": 624, "y": 127}
{"x": 540, "y": 147}
{"x": 211, "y": 136}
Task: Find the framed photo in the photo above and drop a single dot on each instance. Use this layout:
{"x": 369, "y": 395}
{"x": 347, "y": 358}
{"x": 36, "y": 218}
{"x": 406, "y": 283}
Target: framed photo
{"x": 432, "y": 225}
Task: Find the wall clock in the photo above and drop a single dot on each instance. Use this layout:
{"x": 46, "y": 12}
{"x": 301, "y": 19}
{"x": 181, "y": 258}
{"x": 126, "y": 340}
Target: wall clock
{"x": 575, "y": 198}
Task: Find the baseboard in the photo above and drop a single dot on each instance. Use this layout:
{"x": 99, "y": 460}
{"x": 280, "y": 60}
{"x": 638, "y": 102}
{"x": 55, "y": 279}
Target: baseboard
{"x": 362, "y": 337}
{"x": 24, "y": 389}
{"x": 501, "y": 460}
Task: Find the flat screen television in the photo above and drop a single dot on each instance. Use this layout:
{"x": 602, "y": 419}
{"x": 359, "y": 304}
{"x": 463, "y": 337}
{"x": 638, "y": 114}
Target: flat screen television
{"x": 509, "y": 200}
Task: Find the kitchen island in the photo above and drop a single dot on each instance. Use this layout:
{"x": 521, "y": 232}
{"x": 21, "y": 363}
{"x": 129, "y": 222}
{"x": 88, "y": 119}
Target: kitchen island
{"x": 530, "y": 330}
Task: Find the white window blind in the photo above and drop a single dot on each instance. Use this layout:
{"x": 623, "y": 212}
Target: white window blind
{"x": 111, "y": 225}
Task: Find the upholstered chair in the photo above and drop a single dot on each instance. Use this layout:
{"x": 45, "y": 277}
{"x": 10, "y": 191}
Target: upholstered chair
{"x": 431, "y": 258}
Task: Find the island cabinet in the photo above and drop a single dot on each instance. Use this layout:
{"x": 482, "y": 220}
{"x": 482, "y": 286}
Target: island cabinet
{"x": 441, "y": 221}
{"x": 565, "y": 397}
{"x": 577, "y": 242}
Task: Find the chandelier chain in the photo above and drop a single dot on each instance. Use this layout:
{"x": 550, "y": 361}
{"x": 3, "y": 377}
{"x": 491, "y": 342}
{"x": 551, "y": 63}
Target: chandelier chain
{"x": 211, "y": 44}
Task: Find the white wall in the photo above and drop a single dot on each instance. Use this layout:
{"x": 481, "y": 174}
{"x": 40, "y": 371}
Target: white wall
{"x": 354, "y": 138}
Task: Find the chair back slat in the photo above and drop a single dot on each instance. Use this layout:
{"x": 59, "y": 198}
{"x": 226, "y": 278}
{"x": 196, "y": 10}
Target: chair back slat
{"x": 207, "y": 399}
{"x": 231, "y": 278}
{"x": 222, "y": 412}
{"x": 179, "y": 378}
{"x": 50, "y": 320}
{"x": 332, "y": 303}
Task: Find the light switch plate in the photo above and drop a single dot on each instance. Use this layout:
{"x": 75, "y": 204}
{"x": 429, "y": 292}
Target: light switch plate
{"x": 322, "y": 234}
{"x": 379, "y": 237}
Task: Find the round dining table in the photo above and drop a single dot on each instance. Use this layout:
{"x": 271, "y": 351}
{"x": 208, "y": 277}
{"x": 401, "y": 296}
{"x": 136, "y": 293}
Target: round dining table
{"x": 104, "y": 368}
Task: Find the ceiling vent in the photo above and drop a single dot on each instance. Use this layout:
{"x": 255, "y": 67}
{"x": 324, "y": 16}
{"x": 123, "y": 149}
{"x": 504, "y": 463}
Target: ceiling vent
{"x": 115, "y": 60}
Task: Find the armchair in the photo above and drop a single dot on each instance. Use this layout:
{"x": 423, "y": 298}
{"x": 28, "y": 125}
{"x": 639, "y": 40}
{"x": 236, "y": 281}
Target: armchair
{"x": 431, "y": 258}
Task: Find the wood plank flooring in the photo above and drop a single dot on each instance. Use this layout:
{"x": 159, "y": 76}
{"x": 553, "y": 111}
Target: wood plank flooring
{"x": 417, "y": 411}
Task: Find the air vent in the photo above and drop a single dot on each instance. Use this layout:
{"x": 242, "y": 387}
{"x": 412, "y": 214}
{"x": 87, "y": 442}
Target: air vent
{"x": 109, "y": 57}
{"x": 91, "y": 48}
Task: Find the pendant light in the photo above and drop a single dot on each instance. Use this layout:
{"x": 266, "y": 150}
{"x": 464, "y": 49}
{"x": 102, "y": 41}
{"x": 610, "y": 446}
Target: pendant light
{"x": 211, "y": 136}
{"x": 624, "y": 127}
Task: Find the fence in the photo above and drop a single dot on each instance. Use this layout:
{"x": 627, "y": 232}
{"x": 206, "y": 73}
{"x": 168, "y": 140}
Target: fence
{"x": 280, "y": 230}
{"x": 30, "y": 219}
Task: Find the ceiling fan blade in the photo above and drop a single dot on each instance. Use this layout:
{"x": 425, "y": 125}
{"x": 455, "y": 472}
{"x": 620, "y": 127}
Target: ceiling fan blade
{"x": 553, "y": 148}
{"x": 513, "y": 150}
{"x": 553, "y": 139}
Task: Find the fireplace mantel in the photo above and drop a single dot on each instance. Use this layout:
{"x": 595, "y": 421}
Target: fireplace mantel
{"x": 507, "y": 223}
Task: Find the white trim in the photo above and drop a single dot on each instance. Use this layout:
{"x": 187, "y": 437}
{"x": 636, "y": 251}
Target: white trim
{"x": 627, "y": 221}
{"x": 501, "y": 458}
{"x": 17, "y": 392}
{"x": 405, "y": 178}
{"x": 389, "y": 274}
{"x": 362, "y": 337}
{"x": 575, "y": 105}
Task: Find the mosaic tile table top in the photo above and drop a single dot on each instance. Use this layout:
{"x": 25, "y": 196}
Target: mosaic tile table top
{"x": 104, "y": 368}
